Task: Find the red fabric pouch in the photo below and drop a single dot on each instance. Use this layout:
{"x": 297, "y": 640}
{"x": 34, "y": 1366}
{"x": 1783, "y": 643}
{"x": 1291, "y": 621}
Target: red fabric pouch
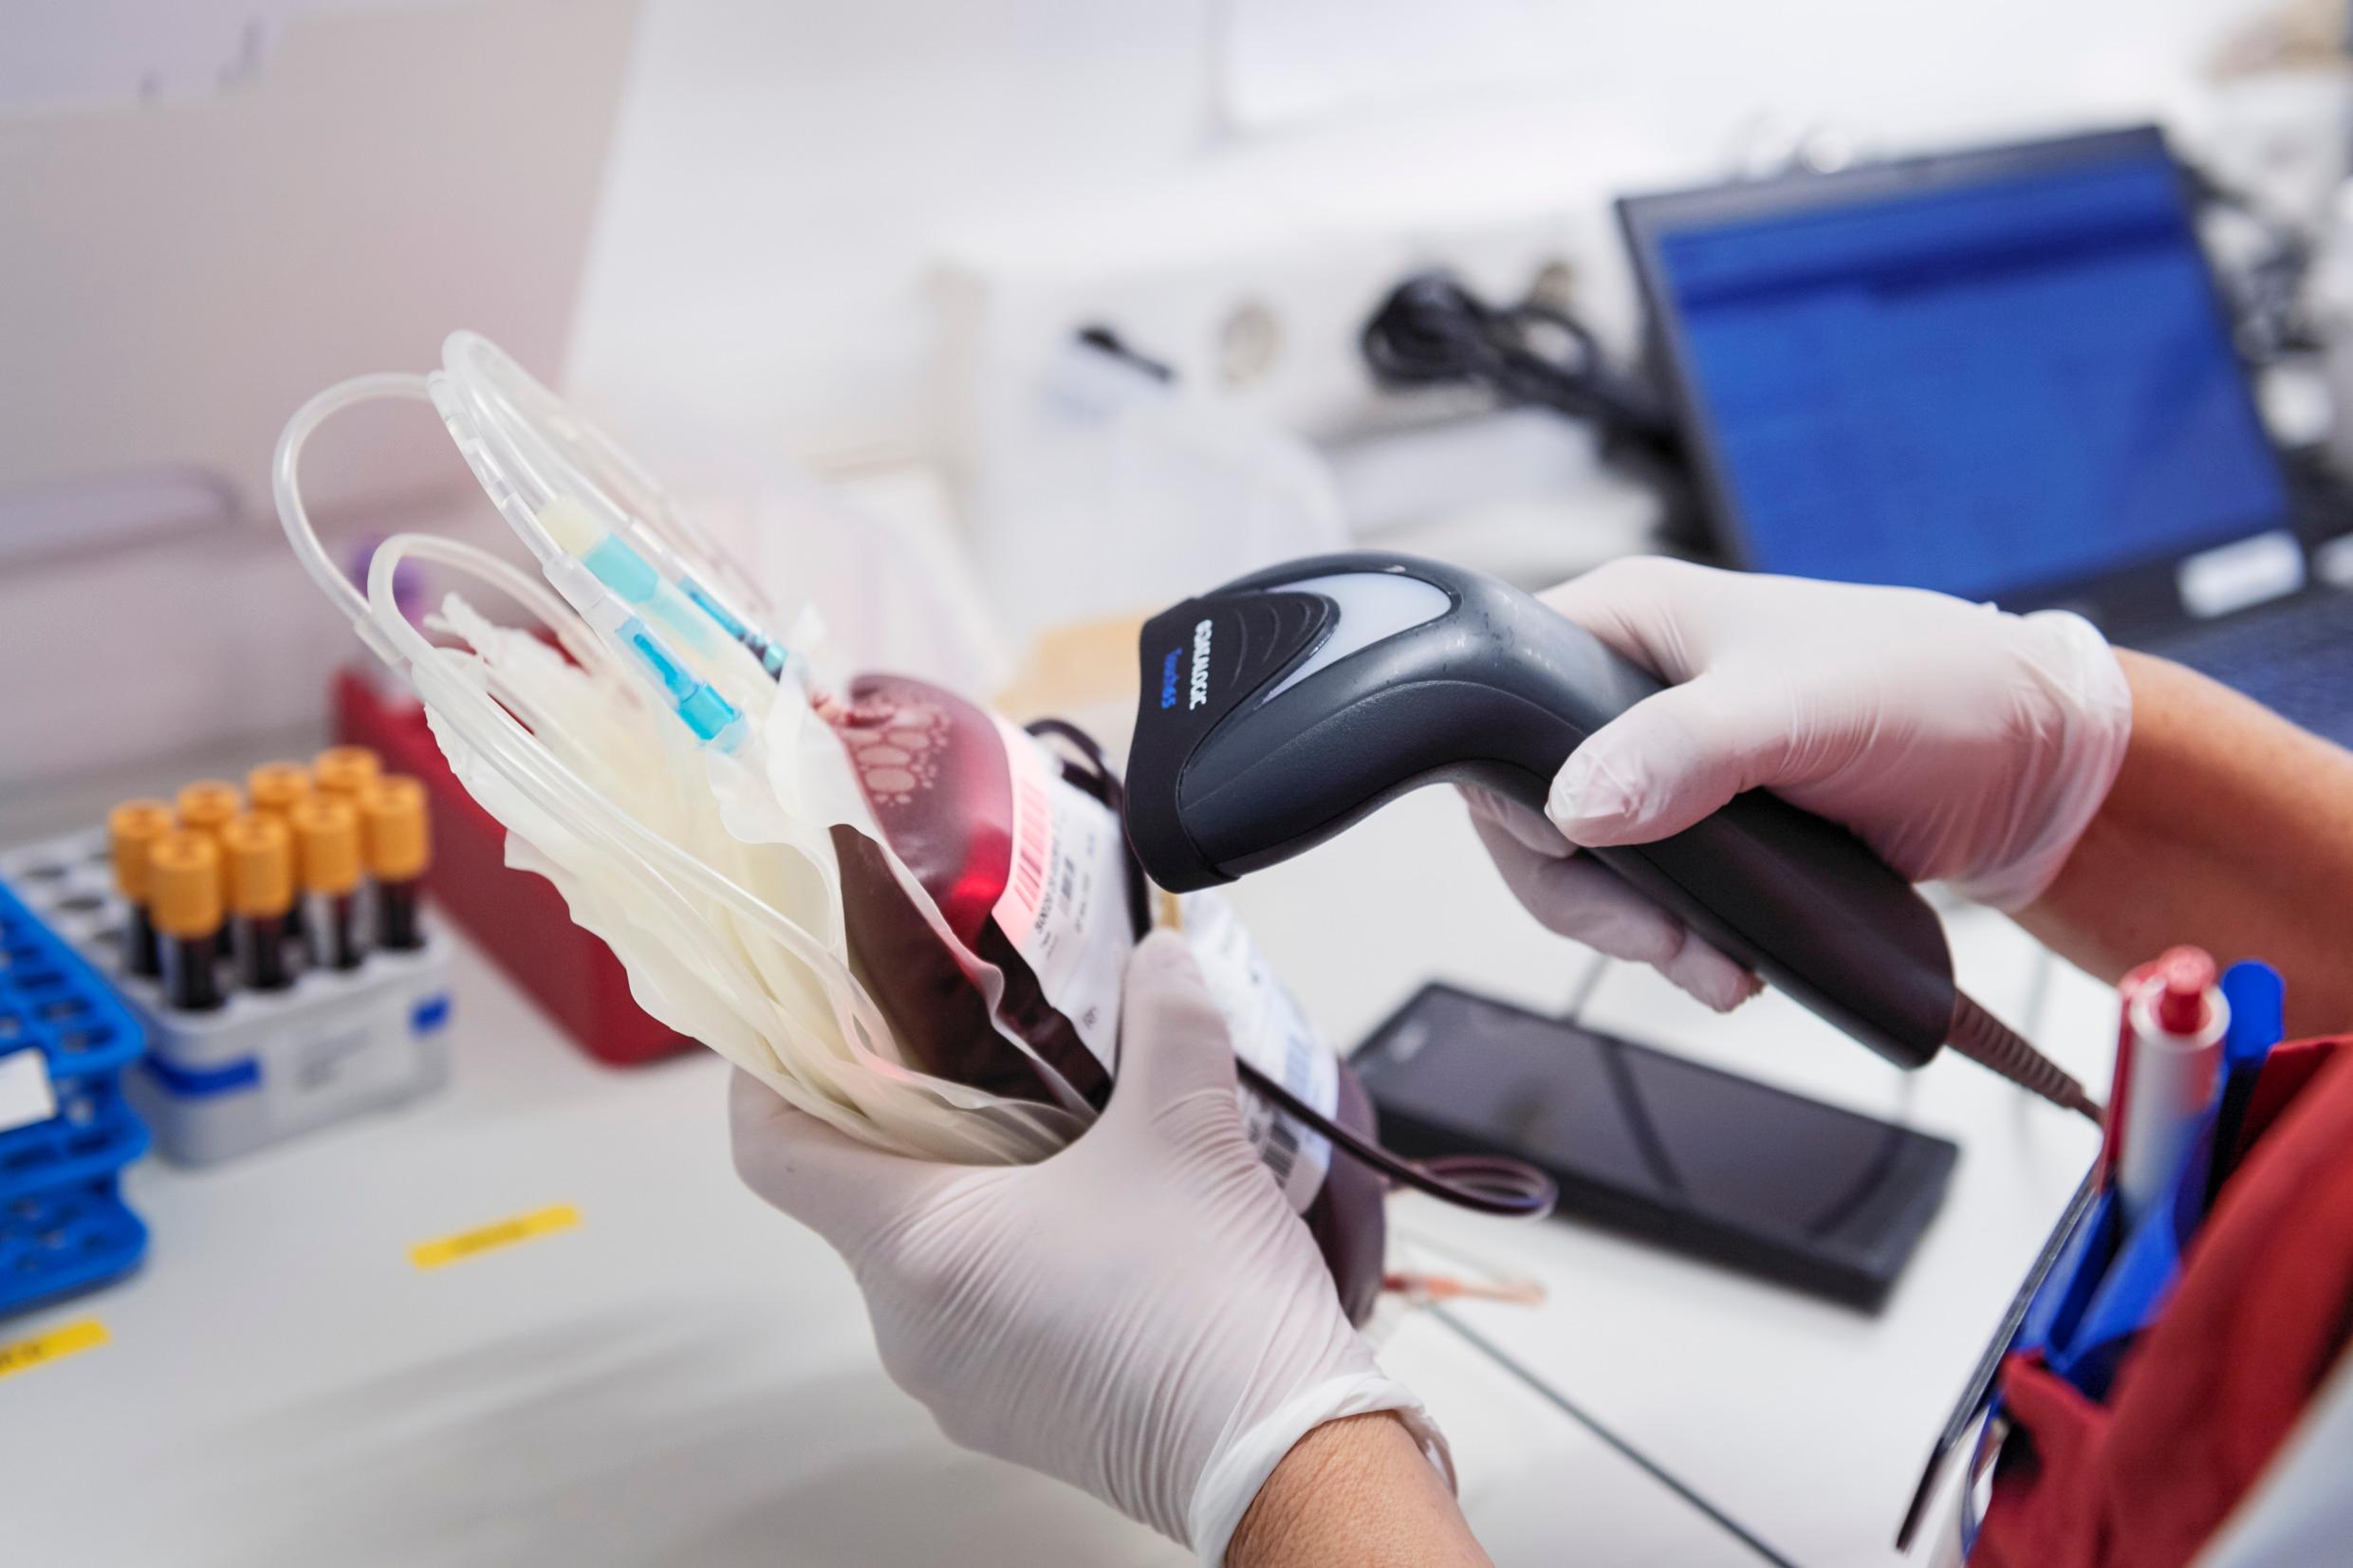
{"x": 2202, "y": 1404}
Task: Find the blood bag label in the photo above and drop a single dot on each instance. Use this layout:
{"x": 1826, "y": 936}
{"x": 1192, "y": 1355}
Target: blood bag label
{"x": 1064, "y": 906}
{"x": 1272, "y": 1035}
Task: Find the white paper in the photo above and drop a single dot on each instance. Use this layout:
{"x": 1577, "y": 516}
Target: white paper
{"x": 25, "y": 1095}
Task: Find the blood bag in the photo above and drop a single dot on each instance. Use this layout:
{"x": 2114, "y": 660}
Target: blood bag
{"x": 1025, "y": 868}
{"x": 905, "y": 915}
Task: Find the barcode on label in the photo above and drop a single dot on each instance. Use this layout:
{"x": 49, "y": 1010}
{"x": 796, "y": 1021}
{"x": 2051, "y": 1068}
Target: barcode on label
{"x": 1282, "y": 1149}
{"x": 1033, "y": 817}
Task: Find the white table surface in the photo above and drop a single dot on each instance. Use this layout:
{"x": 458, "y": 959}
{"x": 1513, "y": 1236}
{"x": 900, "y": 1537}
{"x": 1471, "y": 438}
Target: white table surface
{"x": 688, "y": 1378}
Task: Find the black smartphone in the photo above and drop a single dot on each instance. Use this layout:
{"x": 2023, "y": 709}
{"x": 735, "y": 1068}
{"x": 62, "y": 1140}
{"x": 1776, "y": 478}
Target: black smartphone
{"x": 1701, "y": 1160}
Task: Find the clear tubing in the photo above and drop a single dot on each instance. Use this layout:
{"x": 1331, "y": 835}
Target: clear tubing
{"x": 645, "y": 546}
{"x": 495, "y": 449}
{"x": 772, "y": 654}
{"x": 456, "y": 689}
{"x": 523, "y": 430}
{"x": 286, "y": 487}
{"x": 587, "y": 652}
{"x": 533, "y": 455}
{"x": 524, "y": 762}
{"x": 496, "y": 384}
{"x": 621, "y": 564}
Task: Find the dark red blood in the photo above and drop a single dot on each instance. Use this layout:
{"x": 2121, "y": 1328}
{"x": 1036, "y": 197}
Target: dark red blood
{"x": 946, "y": 809}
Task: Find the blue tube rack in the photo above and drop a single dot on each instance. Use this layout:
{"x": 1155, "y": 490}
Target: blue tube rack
{"x": 64, "y": 1227}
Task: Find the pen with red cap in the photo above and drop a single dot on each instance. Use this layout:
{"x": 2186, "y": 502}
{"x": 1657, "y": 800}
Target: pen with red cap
{"x": 2175, "y": 1019}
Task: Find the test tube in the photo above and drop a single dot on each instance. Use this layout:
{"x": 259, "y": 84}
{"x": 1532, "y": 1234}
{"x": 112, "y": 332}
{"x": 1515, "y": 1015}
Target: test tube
{"x": 132, "y": 829}
{"x": 184, "y": 893}
{"x": 207, "y": 803}
{"x": 207, "y": 806}
{"x": 326, "y": 846}
{"x": 260, "y": 884}
{"x": 395, "y": 835}
{"x": 346, "y": 770}
{"x": 274, "y": 787}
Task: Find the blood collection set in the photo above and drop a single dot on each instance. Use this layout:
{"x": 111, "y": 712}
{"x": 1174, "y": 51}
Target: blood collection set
{"x": 903, "y": 913}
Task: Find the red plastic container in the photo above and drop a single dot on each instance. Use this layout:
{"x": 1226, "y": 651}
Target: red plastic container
{"x": 516, "y": 917}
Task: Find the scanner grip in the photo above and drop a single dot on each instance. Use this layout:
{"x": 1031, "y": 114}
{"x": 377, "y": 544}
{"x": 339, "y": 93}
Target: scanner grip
{"x": 1791, "y": 896}
{"x": 1797, "y": 899}
{"x": 1264, "y": 757}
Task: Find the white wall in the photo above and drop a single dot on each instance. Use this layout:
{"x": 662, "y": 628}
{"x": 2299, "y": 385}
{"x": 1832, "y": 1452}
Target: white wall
{"x": 178, "y": 272}
{"x": 784, "y": 171}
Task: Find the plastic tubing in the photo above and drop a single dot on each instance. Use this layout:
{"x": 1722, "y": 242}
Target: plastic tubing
{"x": 520, "y": 432}
{"x": 522, "y": 472}
{"x": 525, "y": 428}
{"x": 461, "y": 699}
{"x": 286, "y": 487}
{"x": 524, "y": 761}
{"x": 495, "y": 384}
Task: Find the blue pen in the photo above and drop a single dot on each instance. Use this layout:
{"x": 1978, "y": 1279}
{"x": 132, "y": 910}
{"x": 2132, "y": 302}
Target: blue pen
{"x": 2258, "y": 1009}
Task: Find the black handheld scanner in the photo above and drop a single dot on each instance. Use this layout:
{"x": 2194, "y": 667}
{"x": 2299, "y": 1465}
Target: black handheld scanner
{"x": 1288, "y": 705}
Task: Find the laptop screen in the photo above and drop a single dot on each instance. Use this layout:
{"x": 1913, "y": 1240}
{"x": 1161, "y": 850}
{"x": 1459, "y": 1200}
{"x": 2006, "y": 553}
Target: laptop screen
{"x": 2012, "y": 378}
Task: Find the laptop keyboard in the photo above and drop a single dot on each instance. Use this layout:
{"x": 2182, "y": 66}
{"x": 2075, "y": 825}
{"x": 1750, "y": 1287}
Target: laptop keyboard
{"x": 2296, "y": 660}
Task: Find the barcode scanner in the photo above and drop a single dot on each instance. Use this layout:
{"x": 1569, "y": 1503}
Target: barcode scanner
{"x": 1285, "y": 707}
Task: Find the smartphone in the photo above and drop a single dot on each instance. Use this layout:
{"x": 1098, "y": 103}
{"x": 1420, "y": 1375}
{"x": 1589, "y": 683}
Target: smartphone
{"x": 1694, "y": 1158}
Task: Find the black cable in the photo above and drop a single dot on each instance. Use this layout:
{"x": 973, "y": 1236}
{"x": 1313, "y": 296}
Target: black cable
{"x": 1634, "y": 1110}
{"x": 1489, "y": 1183}
{"x": 1990, "y": 1042}
{"x": 1587, "y": 984}
{"x": 1432, "y": 330}
{"x": 2266, "y": 290}
{"x": 1625, "y": 1450}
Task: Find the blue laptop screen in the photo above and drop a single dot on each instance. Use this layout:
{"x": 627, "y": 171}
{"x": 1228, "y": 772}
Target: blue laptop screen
{"x": 2006, "y": 386}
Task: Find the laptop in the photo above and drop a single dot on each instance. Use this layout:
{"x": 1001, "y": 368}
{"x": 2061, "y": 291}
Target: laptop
{"x": 2007, "y": 374}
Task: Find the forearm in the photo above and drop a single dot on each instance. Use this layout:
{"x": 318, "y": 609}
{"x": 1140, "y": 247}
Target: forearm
{"x": 1357, "y": 1491}
{"x": 2228, "y": 827}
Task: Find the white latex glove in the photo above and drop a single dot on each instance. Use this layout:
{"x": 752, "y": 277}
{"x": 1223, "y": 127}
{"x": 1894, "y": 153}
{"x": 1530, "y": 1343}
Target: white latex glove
{"x": 1964, "y": 744}
{"x": 1141, "y": 1316}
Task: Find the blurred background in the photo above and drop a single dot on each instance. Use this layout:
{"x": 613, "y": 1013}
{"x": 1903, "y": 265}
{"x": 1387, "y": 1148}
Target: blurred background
{"x": 986, "y": 327}
{"x": 770, "y": 243}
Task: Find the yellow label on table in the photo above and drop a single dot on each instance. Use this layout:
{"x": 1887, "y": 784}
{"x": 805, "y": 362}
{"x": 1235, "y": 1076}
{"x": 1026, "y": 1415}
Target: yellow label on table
{"x": 24, "y": 1355}
{"x": 489, "y": 1238}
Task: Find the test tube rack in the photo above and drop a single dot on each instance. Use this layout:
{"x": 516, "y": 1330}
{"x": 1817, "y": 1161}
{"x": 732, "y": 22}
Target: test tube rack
{"x": 266, "y": 1065}
{"x": 63, "y": 1226}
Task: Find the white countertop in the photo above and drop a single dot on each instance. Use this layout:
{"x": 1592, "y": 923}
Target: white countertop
{"x": 688, "y": 1378}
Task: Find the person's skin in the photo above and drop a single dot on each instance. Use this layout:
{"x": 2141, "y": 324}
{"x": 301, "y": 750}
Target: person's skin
{"x": 1360, "y": 1492}
{"x": 2227, "y": 827}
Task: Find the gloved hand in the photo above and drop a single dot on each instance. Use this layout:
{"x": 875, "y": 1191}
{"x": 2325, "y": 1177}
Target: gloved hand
{"x": 1964, "y": 744}
{"x": 1142, "y": 1315}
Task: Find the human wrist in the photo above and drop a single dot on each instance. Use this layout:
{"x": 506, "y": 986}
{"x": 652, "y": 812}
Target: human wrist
{"x": 1363, "y": 1489}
